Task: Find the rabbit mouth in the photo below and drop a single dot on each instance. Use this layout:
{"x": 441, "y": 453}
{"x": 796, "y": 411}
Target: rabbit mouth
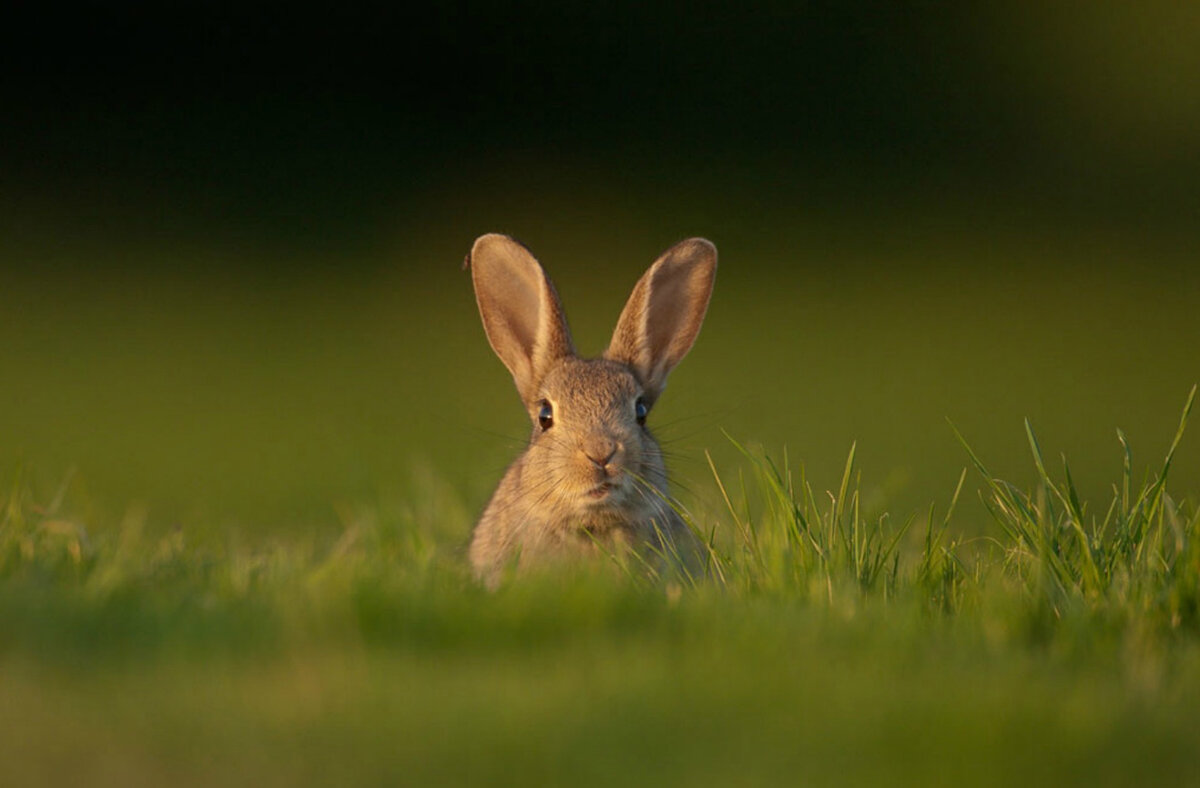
{"x": 600, "y": 491}
{"x": 604, "y": 493}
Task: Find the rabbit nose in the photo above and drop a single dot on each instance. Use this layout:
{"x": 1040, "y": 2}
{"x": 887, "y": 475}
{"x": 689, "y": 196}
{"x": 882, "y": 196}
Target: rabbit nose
{"x": 601, "y": 452}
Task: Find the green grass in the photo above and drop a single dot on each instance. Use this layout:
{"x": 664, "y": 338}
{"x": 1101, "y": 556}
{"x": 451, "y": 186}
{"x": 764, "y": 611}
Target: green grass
{"x": 825, "y": 646}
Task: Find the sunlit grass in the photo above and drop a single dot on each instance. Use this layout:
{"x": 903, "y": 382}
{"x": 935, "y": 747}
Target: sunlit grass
{"x": 1064, "y": 645}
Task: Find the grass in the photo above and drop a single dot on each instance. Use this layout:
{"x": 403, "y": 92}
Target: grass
{"x": 825, "y": 645}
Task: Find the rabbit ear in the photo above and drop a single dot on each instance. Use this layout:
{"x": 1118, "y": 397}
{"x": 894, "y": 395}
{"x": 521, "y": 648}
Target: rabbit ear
{"x": 521, "y": 312}
{"x": 663, "y": 315}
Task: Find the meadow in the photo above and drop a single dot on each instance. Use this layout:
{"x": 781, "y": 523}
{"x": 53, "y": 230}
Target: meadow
{"x": 235, "y": 509}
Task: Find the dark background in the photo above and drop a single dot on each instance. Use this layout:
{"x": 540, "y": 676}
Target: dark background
{"x": 286, "y": 124}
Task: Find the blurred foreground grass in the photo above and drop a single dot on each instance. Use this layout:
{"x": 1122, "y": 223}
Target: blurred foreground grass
{"x": 823, "y": 648}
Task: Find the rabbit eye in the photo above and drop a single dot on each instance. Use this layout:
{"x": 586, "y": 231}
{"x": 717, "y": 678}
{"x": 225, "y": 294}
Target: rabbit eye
{"x": 546, "y": 416}
{"x": 640, "y": 410}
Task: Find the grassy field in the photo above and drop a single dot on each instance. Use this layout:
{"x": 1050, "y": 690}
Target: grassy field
{"x": 822, "y": 647}
{"x": 235, "y": 510}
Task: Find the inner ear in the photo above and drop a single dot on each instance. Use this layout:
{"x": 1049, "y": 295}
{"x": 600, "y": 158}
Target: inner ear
{"x": 671, "y": 327}
{"x": 664, "y": 313}
{"x": 521, "y": 311}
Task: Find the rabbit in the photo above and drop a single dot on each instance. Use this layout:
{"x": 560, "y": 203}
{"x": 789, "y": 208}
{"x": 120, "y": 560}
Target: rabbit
{"x": 592, "y": 481}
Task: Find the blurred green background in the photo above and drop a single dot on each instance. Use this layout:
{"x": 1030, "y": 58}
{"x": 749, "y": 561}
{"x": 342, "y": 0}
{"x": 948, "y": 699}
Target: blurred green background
{"x": 230, "y": 241}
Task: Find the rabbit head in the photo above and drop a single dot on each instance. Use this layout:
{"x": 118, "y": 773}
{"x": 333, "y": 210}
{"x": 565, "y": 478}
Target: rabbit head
{"x": 592, "y": 468}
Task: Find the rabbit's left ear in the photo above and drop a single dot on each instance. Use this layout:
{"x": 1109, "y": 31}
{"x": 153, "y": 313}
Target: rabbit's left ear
{"x": 663, "y": 315}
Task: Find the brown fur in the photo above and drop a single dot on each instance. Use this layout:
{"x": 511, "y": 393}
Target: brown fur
{"x": 594, "y": 482}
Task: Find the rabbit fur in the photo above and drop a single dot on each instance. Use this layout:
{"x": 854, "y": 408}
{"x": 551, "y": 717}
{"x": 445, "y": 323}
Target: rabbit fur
{"x": 592, "y": 480}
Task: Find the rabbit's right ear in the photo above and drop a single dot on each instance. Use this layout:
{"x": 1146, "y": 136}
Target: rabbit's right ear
{"x": 522, "y": 315}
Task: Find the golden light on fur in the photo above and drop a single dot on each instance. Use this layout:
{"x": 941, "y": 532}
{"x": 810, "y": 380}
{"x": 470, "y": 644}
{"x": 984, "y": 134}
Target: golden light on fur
{"x": 592, "y": 479}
